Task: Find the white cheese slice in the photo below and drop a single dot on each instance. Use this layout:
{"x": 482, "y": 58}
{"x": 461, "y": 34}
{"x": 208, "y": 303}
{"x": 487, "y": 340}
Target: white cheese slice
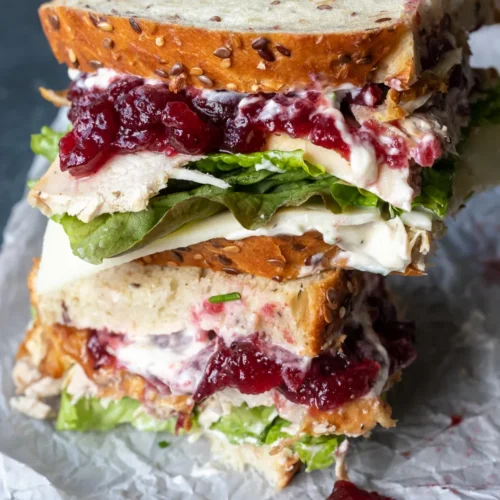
{"x": 124, "y": 184}
{"x": 367, "y": 241}
{"x": 392, "y": 185}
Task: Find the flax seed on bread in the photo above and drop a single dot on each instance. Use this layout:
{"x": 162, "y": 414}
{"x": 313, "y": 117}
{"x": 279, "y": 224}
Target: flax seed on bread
{"x": 261, "y": 45}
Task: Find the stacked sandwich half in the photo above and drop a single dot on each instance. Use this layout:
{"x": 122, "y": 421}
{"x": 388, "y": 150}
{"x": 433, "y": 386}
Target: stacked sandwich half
{"x": 234, "y": 180}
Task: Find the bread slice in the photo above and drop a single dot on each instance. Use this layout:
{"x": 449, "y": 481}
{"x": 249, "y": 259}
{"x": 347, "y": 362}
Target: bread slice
{"x": 253, "y": 46}
{"x": 280, "y": 258}
{"x": 278, "y": 468}
{"x": 301, "y": 315}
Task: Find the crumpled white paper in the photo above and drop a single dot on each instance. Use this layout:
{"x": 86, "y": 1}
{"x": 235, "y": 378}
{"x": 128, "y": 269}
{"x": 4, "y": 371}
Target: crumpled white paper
{"x": 447, "y": 443}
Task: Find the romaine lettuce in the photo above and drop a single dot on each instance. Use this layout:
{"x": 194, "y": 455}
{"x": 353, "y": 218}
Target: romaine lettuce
{"x": 253, "y": 199}
{"x": 261, "y": 426}
{"x": 92, "y": 414}
{"x": 246, "y": 425}
{"x": 268, "y": 160}
{"x": 46, "y": 143}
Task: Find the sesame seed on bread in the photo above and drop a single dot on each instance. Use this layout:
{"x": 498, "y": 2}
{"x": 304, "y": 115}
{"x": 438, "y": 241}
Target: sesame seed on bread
{"x": 261, "y": 45}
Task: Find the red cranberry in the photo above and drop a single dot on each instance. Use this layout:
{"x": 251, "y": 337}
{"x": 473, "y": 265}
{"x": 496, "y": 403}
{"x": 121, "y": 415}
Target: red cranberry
{"x": 121, "y": 86}
{"x": 331, "y": 382}
{"x": 97, "y": 352}
{"x": 427, "y": 151}
{"x": 142, "y": 107}
{"x": 222, "y": 105}
{"x": 81, "y": 159}
{"x": 241, "y": 137}
{"x": 240, "y": 366}
{"x": 326, "y": 134}
{"x": 130, "y": 140}
{"x": 187, "y": 132}
{"x": 250, "y": 367}
{"x": 97, "y": 124}
{"x": 345, "y": 490}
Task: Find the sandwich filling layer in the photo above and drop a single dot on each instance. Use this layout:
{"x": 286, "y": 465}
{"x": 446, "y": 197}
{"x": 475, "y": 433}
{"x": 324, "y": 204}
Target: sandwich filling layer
{"x": 155, "y": 159}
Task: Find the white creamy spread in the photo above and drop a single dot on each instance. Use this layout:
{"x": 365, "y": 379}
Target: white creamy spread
{"x": 172, "y": 362}
{"x": 389, "y": 184}
{"x": 368, "y": 242}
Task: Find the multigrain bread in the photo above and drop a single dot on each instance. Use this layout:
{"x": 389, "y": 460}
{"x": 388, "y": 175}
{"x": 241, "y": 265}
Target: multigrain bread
{"x": 302, "y": 315}
{"x": 261, "y": 45}
{"x": 280, "y": 258}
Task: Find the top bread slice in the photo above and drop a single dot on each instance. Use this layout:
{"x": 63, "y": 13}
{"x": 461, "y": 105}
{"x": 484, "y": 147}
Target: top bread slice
{"x": 251, "y": 46}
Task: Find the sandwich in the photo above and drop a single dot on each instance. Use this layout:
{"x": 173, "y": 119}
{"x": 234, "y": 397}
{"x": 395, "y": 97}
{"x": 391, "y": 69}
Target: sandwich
{"x": 275, "y": 374}
{"x": 233, "y": 182}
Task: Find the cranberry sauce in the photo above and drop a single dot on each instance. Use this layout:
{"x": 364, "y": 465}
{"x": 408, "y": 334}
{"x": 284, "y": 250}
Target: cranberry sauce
{"x": 131, "y": 115}
{"x": 253, "y": 366}
{"x": 332, "y": 379}
{"x": 345, "y": 490}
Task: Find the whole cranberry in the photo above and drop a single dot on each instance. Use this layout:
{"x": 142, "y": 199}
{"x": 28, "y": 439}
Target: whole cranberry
{"x": 142, "y": 107}
{"x": 240, "y": 136}
{"x": 187, "y": 133}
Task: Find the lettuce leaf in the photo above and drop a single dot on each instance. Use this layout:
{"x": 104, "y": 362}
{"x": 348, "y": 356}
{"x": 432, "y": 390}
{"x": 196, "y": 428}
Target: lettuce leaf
{"x": 317, "y": 452}
{"x": 90, "y": 414}
{"x": 437, "y": 188}
{"x": 46, "y": 143}
{"x": 246, "y": 425}
{"x": 261, "y": 426}
{"x": 270, "y": 160}
{"x": 486, "y": 110}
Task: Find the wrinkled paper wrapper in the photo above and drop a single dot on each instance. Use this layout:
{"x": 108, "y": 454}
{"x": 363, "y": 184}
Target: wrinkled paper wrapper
{"x": 456, "y": 380}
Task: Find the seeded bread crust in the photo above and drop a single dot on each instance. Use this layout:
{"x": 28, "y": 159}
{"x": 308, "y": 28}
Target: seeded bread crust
{"x": 280, "y": 258}
{"x": 244, "y": 61}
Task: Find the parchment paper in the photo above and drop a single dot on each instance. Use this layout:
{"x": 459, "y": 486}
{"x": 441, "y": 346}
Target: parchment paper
{"x": 447, "y": 444}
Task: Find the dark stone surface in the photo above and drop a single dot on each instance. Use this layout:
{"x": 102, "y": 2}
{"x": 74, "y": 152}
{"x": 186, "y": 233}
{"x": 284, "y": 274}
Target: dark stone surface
{"x": 26, "y": 63}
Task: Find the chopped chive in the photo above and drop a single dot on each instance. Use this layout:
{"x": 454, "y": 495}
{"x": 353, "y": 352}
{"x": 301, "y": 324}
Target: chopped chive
{"x": 31, "y": 183}
{"x": 163, "y": 444}
{"x": 228, "y": 297}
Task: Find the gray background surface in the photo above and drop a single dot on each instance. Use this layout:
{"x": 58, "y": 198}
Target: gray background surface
{"x": 26, "y": 63}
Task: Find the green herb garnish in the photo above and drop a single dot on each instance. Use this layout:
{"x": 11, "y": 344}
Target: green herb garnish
{"x": 228, "y": 297}
{"x": 163, "y": 444}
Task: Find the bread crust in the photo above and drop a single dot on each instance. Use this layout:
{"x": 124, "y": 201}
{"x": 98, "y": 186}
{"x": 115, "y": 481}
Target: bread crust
{"x": 88, "y": 40}
{"x": 280, "y": 258}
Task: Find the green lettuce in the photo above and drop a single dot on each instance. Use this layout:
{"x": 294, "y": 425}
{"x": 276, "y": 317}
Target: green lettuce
{"x": 486, "y": 110}
{"x": 46, "y": 143}
{"x": 317, "y": 452}
{"x": 436, "y": 188}
{"x": 90, "y": 414}
{"x": 246, "y": 425}
{"x": 280, "y": 160}
{"x": 261, "y": 426}
{"x": 253, "y": 198}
